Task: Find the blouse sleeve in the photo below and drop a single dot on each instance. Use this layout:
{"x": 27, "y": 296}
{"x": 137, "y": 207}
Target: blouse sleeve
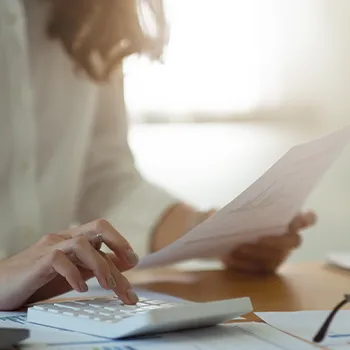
{"x": 113, "y": 188}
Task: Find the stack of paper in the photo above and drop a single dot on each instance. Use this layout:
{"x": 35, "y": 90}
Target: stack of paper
{"x": 265, "y": 208}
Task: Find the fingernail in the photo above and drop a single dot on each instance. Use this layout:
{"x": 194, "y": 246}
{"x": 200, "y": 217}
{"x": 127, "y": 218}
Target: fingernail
{"x": 111, "y": 282}
{"x": 133, "y": 259}
{"x": 132, "y": 296}
{"x": 83, "y": 287}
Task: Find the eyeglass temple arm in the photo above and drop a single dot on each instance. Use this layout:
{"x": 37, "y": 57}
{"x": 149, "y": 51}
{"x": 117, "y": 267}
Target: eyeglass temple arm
{"x": 323, "y": 330}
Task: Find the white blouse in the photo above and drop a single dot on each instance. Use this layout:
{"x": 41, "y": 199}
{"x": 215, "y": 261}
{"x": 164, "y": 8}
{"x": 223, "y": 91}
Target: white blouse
{"x": 64, "y": 154}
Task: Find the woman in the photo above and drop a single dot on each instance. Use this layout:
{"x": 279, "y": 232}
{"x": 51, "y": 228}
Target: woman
{"x": 64, "y": 154}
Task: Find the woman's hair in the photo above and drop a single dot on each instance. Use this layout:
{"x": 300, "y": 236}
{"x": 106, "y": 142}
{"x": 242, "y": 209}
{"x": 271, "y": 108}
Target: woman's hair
{"x": 99, "y": 34}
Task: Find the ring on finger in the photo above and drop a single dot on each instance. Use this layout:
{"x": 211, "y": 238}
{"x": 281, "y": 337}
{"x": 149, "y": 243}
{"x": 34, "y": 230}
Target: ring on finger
{"x": 99, "y": 237}
{"x": 97, "y": 241}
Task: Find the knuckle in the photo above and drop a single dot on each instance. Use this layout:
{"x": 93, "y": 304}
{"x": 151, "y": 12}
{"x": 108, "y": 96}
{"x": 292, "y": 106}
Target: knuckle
{"x": 80, "y": 242}
{"x": 101, "y": 224}
{"x": 56, "y": 255}
{"x": 49, "y": 239}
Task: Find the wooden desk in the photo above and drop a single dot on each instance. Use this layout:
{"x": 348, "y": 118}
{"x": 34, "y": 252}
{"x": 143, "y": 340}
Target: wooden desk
{"x": 295, "y": 287}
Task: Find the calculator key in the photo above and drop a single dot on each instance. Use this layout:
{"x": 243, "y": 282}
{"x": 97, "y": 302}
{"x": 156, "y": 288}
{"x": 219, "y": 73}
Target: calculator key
{"x": 168, "y": 305}
{"x": 54, "y": 311}
{"x": 89, "y": 311}
{"x": 84, "y": 316}
{"x": 81, "y": 302}
{"x": 125, "y": 308}
{"x": 110, "y": 321}
{"x": 40, "y": 307}
{"x": 141, "y": 304}
{"x": 126, "y": 312}
{"x": 102, "y": 318}
{"x": 105, "y": 314}
{"x": 155, "y": 302}
{"x": 140, "y": 311}
{"x": 69, "y": 313}
{"x": 110, "y": 308}
{"x": 130, "y": 307}
{"x": 151, "y": 307}
{"x": 68, "y": 305}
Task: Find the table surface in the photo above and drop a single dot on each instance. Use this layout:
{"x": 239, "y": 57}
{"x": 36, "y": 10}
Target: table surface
{"x": 307, "y": 286}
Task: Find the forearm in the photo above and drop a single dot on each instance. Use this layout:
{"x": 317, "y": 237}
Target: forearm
{"x": 175, "y": 222}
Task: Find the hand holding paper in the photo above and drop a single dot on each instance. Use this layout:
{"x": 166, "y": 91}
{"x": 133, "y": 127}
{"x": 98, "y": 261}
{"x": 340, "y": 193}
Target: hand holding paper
{"x": 265, "y": 208}
{"x": 267, "y": 253}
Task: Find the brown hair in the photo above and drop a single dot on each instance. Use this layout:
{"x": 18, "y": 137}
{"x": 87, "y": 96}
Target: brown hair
{"x": 99, "y": 34}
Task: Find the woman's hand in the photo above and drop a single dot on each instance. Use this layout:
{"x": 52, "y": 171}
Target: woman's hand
{"x": 64, "y": 261}
{"x": 268, "y": 253}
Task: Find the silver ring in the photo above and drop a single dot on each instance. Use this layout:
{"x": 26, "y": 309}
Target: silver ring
{"x": 100, "y": 237}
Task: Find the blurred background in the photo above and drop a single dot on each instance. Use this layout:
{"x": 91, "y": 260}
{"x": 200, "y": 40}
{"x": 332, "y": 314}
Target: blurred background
{"x": 242, "y": 82}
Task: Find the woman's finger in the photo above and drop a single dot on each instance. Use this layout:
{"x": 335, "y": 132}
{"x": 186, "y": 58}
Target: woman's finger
{"x": 261, "y": 257}
{"x": 248, "y": 265}
{"x": 259, "y": 252}
{"x": 111, "y": 237}
{"x": 92, "y": 260}
{"x": 287, "y": 241}
{"x": 118, "y": 263}
{"x": 83, "y": 250}
{"x": 64, "y": 267}
{"x": 248, "y": 260}
{"x": 97, "y": 241}
{"x": 120, "y": 281}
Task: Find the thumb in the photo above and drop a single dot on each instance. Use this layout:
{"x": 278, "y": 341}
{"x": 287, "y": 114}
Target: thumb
{"x": 302, "y": 221}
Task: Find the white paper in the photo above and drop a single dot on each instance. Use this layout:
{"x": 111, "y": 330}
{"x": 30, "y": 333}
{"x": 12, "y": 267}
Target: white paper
{"x": 305, "y": 324}
{"x": 246, "y": 336}
{"x": 339, "y": 259}
{"x": 41, "y": 334}
{"x": 265, "y": 208}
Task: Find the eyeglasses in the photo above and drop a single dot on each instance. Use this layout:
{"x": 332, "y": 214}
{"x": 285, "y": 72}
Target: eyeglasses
{"x": 320, "y": 335}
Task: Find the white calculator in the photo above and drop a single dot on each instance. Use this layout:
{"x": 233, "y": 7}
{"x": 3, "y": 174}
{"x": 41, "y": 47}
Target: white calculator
{"x": 110, "y": 318}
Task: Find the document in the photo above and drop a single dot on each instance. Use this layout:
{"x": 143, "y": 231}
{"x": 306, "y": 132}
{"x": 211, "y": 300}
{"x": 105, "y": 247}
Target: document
{"x": 41, "y": 334}
{"x": 245, "y": 336}
{"x": 265, "y": 208}
{"x": 339, "y": 259}
{"x": 305, "y": 324}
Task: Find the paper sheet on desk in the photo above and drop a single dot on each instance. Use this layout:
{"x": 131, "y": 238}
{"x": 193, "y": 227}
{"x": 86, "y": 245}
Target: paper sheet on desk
{"x": 305, "y": 324}
{"x": 40, "y": 334}
{"x": 339, "y": 259}
{"x": 266, "y": 207}
{"x": 248, "y": 336}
